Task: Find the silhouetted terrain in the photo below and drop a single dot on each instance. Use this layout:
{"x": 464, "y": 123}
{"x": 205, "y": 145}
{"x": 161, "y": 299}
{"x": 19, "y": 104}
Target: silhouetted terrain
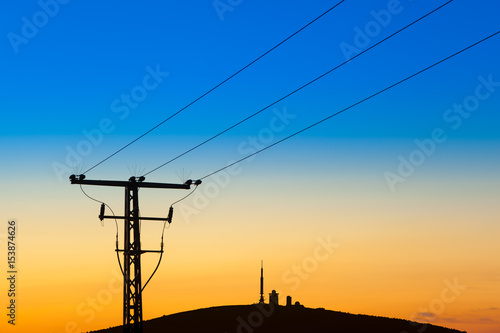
{"x": 277, "y": 319}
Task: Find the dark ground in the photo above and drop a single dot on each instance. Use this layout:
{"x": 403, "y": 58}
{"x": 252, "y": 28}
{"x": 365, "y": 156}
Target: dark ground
{"x": 266, "y": 319}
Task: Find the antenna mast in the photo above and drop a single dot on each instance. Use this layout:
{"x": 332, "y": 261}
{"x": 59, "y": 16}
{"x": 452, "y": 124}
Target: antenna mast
{"x": 132, "y": 284}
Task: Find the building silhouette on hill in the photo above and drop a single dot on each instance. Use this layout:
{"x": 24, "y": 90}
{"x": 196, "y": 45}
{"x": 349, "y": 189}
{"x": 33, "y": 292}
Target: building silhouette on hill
{"x": 273, "y": 296}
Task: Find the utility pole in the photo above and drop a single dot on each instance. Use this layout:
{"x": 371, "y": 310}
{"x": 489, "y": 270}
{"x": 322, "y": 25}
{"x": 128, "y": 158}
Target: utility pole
{"x": 132, "y": 284}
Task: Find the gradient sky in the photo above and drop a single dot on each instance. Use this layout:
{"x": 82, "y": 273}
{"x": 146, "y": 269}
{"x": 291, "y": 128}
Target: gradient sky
{"x": 423, "y": 246}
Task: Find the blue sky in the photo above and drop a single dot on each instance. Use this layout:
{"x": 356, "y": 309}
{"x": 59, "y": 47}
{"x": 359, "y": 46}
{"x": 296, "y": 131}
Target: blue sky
{"x": 70, "y": 76}
{"x": 65, "y": 78}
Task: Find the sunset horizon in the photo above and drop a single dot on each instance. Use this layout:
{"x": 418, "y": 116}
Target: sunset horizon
{"x": 352, "y": 147}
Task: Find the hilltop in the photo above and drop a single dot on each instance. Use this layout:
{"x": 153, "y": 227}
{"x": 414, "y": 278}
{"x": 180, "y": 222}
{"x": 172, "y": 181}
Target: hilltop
{"x": 276, "y": 319}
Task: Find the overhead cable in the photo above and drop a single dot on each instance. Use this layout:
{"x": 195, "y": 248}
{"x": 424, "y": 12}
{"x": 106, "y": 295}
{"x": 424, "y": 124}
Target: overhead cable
{"x": 297, "y": 90}
{"x": 352, "y": 105}
{"x": 216, "y": 86}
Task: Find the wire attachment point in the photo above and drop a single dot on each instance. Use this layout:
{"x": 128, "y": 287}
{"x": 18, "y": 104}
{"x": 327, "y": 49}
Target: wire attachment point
{"x": 73, "y": 178}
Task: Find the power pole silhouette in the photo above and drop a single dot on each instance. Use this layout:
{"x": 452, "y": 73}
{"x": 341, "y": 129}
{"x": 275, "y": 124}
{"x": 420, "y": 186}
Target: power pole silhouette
{"x": 132, "y": 284}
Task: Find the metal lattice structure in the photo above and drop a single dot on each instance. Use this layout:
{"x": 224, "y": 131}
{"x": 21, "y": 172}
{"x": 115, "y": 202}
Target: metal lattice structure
{"x": 132, "y": 284}
{"x": 132, "y": 251}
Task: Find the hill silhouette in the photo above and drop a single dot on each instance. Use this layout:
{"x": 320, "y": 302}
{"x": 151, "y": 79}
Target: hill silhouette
{"x": 267, "y": 318}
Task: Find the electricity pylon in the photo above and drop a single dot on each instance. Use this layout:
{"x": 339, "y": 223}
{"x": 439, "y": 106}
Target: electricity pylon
{"x": 132, "y": 284}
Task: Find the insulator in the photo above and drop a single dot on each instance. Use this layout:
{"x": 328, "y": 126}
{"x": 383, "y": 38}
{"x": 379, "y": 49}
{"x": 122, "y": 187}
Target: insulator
{"x": 170, "y": 214}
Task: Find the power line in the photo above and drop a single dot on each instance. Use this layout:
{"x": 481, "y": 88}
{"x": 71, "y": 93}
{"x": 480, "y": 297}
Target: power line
{"x": 162, "y": 233}
{"x": 217, "y": 86}
{"x": 353, "y": 105}
{"x": 132, "y": 249}
{"x": 298, "y": 89}
{"x": 116, "y": 224}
